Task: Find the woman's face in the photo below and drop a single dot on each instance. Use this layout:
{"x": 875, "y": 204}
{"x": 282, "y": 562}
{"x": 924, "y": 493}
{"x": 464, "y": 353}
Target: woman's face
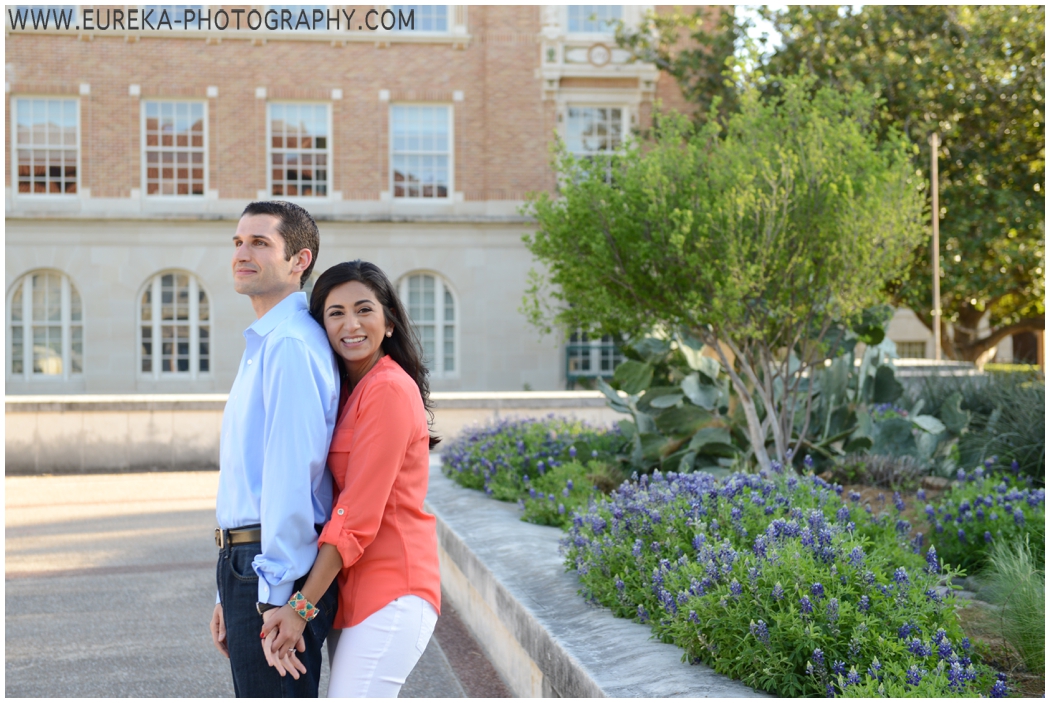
{"x": 356, "y": 325}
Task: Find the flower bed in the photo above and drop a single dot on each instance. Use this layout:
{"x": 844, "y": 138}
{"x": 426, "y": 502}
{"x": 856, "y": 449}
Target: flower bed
{"x": 984, "y": 507}
{"x": 550, "y": 466}
{"x": 772, "y": 579}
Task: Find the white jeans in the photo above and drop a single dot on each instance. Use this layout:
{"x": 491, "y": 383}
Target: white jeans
{"x": 373, "y": 658}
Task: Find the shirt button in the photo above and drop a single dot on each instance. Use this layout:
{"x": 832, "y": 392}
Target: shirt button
{"x": 249, "y": 361}
{"x": 339, "y": 512}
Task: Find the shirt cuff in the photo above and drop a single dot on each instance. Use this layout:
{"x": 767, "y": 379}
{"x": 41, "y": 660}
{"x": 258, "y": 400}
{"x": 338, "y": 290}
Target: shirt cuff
{"x": 217, "y": 599}
{"x": 350, "y": 549}
{"x": 275, "y": 595}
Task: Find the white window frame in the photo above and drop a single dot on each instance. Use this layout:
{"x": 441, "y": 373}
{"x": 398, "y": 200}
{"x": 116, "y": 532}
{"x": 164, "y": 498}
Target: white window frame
{"x": 15, "y": 148}
{"x": 27, "y": 323}
{"x": 450, "y": 13}
{"x": 603, "y": 35}
{"x": 195, "y": 288}
{"x": 913, "y": 342}
{"x": 449, "y": 197}
{"x": 328, "y": 151}
{"x": 626, "y": 122}
{"x": 144, "y": 149}
{"x": 594, "y": 349}
{"x": 436, "y": 366}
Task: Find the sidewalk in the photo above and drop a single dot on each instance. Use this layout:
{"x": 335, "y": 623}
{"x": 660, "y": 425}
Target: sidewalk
{"x": 110, "y": 584}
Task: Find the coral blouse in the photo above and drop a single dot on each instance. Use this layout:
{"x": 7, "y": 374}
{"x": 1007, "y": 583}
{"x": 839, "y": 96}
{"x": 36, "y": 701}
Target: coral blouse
{"x": 380, "y": 460}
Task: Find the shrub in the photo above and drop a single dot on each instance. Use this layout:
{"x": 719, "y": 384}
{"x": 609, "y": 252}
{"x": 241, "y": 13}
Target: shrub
{"x": 775, "y": 581}
{"x": 1017, "y": 582}
{"x": 535, "y": 462}
{"x": 983, "y": 508}
{"x": 1008, "y": 416}
{"x": 893, "y": 472}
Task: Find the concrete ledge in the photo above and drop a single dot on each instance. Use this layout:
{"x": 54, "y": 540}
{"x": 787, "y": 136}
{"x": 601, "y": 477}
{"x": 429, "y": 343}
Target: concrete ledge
{"x": 113, "y": 403}
{"x": 506, "y": 580}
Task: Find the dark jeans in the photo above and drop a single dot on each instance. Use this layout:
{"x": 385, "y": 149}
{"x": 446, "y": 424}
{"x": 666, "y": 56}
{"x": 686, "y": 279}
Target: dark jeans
{"x": 239, "y": 591}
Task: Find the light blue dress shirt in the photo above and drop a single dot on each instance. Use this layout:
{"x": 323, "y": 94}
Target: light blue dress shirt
{"x": 276, "y": 429}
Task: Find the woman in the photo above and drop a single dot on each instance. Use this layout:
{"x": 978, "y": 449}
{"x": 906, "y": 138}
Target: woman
{"x": 379, "y": 542}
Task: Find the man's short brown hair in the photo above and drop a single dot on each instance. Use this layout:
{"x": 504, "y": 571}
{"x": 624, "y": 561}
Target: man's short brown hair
{"x": 296, "y": 227}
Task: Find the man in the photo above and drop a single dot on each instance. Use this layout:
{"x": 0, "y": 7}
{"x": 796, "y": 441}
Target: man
{"x": 275, "y": 492}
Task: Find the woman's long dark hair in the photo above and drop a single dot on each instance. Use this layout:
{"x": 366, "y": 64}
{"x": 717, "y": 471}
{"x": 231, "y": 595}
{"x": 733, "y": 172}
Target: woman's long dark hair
{"x": 402, "y": 345}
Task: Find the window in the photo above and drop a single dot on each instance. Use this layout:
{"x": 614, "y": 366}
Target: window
{"x": 590, "y": 358}
{"x": 175, "y": 153}
{"x": 594, "y": 130}
{"x": 47, "y": 138}
{"x": 421, "y": 151}
{"x": 433, "y": 311}
{"x": 174, "y": 326}
{"x": 425, "y": 18}
{"x": 911, "y": 350}
{"x": 46, "y": 326}
{"x": 594, "y": 19}
{"x": 300, "y": 149}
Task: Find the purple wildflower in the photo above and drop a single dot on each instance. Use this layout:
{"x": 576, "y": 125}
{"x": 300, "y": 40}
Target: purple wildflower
{"x": 805, "y": 605}
{"x": 913, "y": 675}
{"x": 999, "y": 689}
{"x": 864, "y": 604}
{"x": 853, "y": 678}
{"x": 818, "y": 657}
{"x": 900, "y": 576}
{"x": 817, "y": 590}
{"x": 760, "y": 632}
{"x": 778, "y": 591}
{"x": 833, "y": 609}
{"x": 932, "y": 564}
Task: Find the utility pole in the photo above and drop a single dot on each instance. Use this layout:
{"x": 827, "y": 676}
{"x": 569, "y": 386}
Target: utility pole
{"x": 935, "y": 143}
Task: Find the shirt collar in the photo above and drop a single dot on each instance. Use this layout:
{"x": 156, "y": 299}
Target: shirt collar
{"x": 278, "y": 314}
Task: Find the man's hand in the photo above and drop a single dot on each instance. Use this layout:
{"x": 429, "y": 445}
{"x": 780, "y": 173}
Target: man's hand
{"x": 280, "y": 628}
{"x": 218, "y": 631}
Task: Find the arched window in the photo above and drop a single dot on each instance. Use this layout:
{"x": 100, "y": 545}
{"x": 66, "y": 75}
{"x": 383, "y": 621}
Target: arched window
{"x": 432, "y": 308}
{"x": 174, "y": 326}
{"x": 46, "y": 327}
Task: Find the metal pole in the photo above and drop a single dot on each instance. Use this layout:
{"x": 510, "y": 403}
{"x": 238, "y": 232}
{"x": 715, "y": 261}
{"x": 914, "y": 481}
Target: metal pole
{"x": 935, "y": 143}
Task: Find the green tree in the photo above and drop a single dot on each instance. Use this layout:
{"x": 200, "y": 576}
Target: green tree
{"x": 756, "y": 238}
{"x": 973, "y": 74}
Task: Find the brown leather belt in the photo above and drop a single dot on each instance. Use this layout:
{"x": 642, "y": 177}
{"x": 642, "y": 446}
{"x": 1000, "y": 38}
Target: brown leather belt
{"x": 238, "y": 535}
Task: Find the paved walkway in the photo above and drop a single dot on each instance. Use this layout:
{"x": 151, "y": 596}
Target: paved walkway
{"x": 110, "y": 582}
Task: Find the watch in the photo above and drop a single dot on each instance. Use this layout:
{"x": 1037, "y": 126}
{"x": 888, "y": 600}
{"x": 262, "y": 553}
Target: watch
{"x": 263, "y": 607}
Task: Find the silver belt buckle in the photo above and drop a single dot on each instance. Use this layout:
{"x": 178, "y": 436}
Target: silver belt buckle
{"x": 220, "y": 542}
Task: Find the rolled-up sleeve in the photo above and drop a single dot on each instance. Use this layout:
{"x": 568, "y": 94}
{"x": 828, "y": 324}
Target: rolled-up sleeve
{"x": 382, "y": 431}
{"x": 295, "y": 447}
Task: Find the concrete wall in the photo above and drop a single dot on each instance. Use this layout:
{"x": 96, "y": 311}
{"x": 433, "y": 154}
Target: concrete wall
{"x": 84, "y": 433}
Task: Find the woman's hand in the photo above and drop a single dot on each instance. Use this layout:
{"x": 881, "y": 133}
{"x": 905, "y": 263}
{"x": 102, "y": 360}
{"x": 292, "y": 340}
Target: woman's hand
{"x": 282, "y": 636}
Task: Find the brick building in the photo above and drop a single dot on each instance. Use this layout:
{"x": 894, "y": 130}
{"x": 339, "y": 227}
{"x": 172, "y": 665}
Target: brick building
{"x": 133, "y": 149}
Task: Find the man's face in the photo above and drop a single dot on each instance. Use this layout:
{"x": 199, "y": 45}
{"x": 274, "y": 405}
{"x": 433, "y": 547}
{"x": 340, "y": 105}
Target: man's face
{"x": 259, "y": 266}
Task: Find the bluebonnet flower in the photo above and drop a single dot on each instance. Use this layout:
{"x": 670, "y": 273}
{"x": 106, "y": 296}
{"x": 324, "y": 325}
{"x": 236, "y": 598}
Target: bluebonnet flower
{"x": 1018, "y": 516}
{"x": 966, "y": 643}
{"x": 561, "y": 508}
{"x": 540, "y": 468}
{"x": 808, "y": 462}
{"x": 900, "y": 576}
{"x": 854, "y": 496}
{"x": 778, "y": 591}
{"x": 735, "y": 589}
{"x": 643, "y": 614}
{"x": 898, "y": 502}
{"x": 931, "y": 594}
{"x": 637, "y": 549}
{"x": 903, "y": 527}
{"x": 550, "y": 497}
{"x": 999, "y": 689}
{"x": 829, "y": 691}
{"x": 869, "y": 577}
{"x": 805, "y": 605}
{"x": 817, "y": 589}
{"x": 913, "y": 675}
{"x": 962, "y": 536}
{"x": 864, "y": 604}
{"x": 904, "y": 631}
{"x": 569, "y": 484}
{"x": 693, "y": 617}
{"x": 619, "y": 584}
{"x": 856, "y": 557}
{"x": 1014, "y": 466}
{"x": 932, "y": 564}
{"x": 918, "y": 648}
{"x": 852, "y": 678}
{"x": 532, "y": 492}
{"x": 944, "y": 649}
{"x": 818, "y": 657}
{"x": 993, "y": 516}
{"x": 838, "y": 668}
{"x": 833, "y": 609}
{"x": 987, "y": 536}
{"x": 565, "y": 492}
{"x": 572, "y": 452}
{"x": 920, "y": 494}
{"x": 760, "y": 631}
{"x": 842, "y": 515}
{"x": 873, "y": 670}
{"x": 956, "y": 675}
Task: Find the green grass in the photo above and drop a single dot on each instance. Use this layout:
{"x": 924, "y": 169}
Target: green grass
{"x": 1016, "y": 582}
